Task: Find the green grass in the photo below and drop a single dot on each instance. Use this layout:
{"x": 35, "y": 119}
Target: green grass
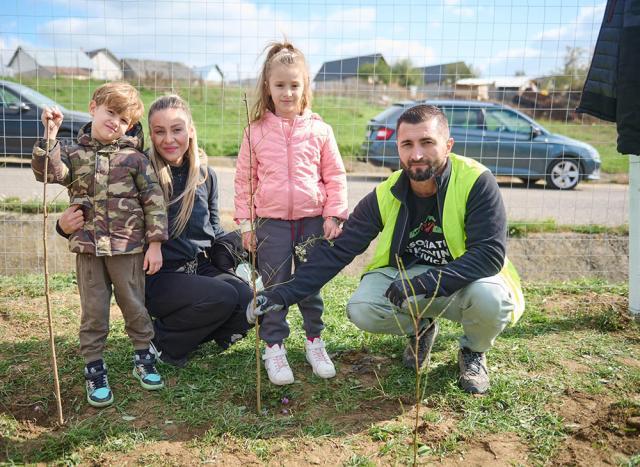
{"x": 32, "y": 206}
{"x": 602, "y": 136}
{"x": 207, "y": 411}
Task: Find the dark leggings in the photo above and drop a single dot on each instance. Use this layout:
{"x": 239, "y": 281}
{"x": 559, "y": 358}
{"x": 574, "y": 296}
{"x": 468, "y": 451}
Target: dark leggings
{"x": 190, "y": 309}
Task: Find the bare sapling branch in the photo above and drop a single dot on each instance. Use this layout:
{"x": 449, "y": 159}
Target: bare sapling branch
{"x": 252, "y": 255}
{"x": 47, "y": 292}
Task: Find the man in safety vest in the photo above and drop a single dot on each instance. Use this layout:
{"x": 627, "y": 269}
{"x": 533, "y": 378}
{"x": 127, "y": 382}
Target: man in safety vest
{"x": 441, "y": 252}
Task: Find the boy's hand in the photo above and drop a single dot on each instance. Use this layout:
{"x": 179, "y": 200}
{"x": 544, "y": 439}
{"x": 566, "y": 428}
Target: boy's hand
{"x": 248, "y": 241}
{"x": 332, "y": 228}
{"x": 152, "y": 258}
{"x": 51, "y": 119}
{"x": 72, "y": 219}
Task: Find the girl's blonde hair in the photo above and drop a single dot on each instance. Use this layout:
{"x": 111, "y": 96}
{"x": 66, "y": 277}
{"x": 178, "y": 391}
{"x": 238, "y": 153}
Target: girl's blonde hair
{"x": 283, "y": 53}
{"x": 195, "y": 157}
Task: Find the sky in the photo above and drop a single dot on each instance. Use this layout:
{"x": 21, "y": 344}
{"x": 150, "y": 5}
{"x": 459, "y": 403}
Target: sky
{"x": 498, "y": 38}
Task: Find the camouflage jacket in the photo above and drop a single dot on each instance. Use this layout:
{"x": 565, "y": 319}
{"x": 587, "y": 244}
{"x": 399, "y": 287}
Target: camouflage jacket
{"x": 116, "y": 186}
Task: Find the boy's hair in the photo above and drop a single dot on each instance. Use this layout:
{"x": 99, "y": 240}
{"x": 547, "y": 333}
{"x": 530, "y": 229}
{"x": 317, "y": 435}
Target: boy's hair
{"x": 423, "y": 113}
{"x": 120, "y": 97}
{"x": 283, "y": 53}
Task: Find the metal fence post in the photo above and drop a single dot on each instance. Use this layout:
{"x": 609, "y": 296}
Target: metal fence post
{"x": 634, "y": 235}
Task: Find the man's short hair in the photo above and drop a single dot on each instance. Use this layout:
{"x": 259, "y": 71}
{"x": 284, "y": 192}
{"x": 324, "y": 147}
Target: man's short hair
{"x": 122, "y": 98}
{"x": 423, "y": 113}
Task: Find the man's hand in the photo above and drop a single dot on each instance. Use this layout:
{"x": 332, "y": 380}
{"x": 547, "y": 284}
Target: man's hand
{"x": 332, "y": 228}
{"x": 152, "y": 258}
{"x": 51, "y": 119}
{"x": 72, "y": 219}
{"x": 265, "y": 302}
{"x": 401, "y": 289}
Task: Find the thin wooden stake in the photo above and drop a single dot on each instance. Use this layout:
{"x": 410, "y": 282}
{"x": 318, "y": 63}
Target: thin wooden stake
{"x": 253, "y": 259}
{"x": 47, "y": 294}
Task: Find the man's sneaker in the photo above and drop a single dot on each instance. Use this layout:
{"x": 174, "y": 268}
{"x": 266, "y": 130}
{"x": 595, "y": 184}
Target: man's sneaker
{"x": 425, "y": 342}
{"x": 98, "y": 391}
{"x": 164, "y": 357}
{"x": 275, "y": 361}
{"x": 319, "y": 359}
{"x": 474, "y": 376}
{"x": 144, "y": 370}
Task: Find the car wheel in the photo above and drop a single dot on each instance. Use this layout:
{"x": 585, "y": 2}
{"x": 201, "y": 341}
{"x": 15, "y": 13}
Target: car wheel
{"x": 563, "y": 174}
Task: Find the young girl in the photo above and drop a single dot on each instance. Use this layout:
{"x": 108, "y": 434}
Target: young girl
{"x": 299, "y": 194}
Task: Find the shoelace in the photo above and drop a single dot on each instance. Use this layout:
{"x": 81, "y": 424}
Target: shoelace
{"x": 318, "y": 354}
{"x": 98, "y": 380}
{"x": 473, "y": 362}
{"x": 280, "y": 362}
{"x": 147, "y": 365}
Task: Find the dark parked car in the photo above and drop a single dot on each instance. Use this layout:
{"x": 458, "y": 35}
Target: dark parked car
{"x": 20, "y": 124}
{"x": 503, "y": 139}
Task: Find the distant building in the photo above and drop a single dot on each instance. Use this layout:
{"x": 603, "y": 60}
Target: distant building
{"x": 344, "y": 70}
{"x": 501, "y": 89}
{"x": 156, "y": 70}
{"x": 106, "y": 66}
{"x": 45, "y": 63}
{"x": 442, "y": 75}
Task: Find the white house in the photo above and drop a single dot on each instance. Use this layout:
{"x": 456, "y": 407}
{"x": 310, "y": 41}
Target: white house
{"x": 50, "y": 62}
{"x": 105, "y": 65}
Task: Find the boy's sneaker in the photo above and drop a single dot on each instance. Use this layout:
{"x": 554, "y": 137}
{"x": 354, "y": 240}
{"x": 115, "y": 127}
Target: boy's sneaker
{"x": 425, "y": 343}
{"x": 144, "y": 370}
{"x": 319, "y": 359}
{"x": 164, "y": 357}
{"x": 474, "y": 376}
{"x": 98, "y": 391}
{"x": 275, "y": 361}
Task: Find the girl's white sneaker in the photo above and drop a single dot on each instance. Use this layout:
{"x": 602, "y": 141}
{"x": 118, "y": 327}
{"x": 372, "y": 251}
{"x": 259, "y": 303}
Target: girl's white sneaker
{"x": 275, "y": 361}
{"x": 319, "y": 359}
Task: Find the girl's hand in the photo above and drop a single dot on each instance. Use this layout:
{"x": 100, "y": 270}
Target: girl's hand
{"x": 249, "y": 241}
{"x": 72, "y": 219}
{"x": 152, "y": 258}
{"x": 332, "y": 228}
{"x": 51, "y": 119}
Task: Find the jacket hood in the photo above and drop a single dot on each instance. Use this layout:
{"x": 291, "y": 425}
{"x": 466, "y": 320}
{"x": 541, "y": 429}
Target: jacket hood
{"x": 133, "y": 138}
{"x": 307, "y": 114}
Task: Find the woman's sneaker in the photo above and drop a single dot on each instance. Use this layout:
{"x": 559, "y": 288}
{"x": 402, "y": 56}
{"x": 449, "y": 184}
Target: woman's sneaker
{"x": 144, "y": 369}
{"x": 98, "y": 391}
{"x": 319, "y": 359}
{"x": 164, "y": 357}
{"x": 275, "y": 361}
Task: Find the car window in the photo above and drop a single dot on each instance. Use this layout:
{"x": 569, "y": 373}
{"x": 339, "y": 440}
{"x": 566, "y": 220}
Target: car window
{"x": 463, "y": 119}
{"x": 390, "y": 115}
{"x": 7, "y": 98}
{"x": 505, "y": 120}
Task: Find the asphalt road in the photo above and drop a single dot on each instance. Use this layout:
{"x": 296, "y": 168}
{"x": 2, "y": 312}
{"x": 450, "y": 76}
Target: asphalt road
{"x": 589, "y": 203}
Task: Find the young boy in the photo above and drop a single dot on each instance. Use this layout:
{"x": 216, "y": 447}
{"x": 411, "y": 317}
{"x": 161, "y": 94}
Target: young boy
{"x": 116, "y": 188}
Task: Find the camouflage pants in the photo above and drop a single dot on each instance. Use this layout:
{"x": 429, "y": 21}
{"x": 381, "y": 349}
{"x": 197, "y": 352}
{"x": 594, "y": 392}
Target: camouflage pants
{"x": 96, "y": 276}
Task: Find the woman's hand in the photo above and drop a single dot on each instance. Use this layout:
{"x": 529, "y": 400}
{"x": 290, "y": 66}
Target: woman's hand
{"x": 332, "y": 228}
{"x": 152, "y": 258}
{"x": 51, "y": 119}
{"x": 72, "y": 219}
{"x": 249, "y": 241}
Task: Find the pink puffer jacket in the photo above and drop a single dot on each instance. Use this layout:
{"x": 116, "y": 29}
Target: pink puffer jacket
{"x": 297, "y": 170}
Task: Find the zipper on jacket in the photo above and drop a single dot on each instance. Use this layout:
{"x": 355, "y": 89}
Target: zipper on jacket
{"x": 287, "y": 137}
